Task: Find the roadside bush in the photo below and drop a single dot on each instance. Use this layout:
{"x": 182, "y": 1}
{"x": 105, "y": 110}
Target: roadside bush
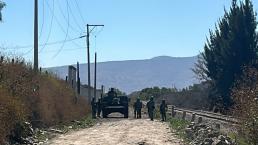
{"x": 38, "y": 98}
{"x": 179, "y": 126}
{"x": 245, "y": 95}
{"x": 12, "y": 112}
{"x": 58, "y": 102}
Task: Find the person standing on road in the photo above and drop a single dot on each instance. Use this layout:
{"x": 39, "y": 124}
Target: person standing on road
{"x": 163, "y": 108}
{"x": 134, "y": 109}
{"x": 93, "y": 107}
{"x": 151, "y": 108}
{"x": 138, "y": 107}
{"x": 99, "y": 106}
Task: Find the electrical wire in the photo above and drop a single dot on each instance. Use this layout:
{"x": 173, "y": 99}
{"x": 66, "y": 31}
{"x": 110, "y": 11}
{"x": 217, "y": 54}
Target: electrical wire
{"x": 43, "y": 19}
{"x": 51, "y": 43}
{"x": 63, "y": 14}
{"x": 69, "y": 49}
{"x": 50, "y": 30}
{"x": 66, "y": 35}
{"x": 74, "y": 18}
{"x": 51, "y": 51}
{"x": 59, "y": 24}
{"x": 96, "y": 34}
{"x": 80, "y": 13}
{"x": 28, "y": 52}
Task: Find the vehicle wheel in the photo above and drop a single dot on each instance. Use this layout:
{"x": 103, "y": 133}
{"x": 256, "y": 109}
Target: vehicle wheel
{"x": 104, "y": 114}
{"x": 126, "y": 113}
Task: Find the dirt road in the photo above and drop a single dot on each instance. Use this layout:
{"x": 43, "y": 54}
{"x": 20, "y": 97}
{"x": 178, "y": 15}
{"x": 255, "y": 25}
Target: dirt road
{"x": 119, "y": 131}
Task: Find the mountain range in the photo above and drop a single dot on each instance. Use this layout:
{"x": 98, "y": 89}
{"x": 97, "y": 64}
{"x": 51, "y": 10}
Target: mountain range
{"x": 134, "y": 75}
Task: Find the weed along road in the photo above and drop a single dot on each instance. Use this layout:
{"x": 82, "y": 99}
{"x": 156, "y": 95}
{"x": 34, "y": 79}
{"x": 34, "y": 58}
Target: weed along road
{"x": 120, "y": 131}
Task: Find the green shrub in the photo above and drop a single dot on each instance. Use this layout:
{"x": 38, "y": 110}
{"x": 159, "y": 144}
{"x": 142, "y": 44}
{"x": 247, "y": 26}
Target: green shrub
{"x": 179, "y": 126}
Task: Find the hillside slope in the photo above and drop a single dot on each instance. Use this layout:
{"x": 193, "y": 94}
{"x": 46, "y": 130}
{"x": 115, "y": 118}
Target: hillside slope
{"x": 132, "y": 75}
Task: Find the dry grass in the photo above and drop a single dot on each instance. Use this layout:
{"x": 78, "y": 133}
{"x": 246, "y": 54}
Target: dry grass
{"x": 58, "y": 102}
{"x": 11, "y": 112}
{"x": 245, "y": 95}
{"x": 41, "y": 99}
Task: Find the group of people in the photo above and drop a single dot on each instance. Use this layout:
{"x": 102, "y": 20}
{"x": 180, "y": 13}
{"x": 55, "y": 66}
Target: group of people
{"x": 138, "y": 105}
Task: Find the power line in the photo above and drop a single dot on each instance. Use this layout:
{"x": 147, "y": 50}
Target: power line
{"x": 69, "y": 49}
{"x": 51, "y": 51}
{"x": 80, "y": 13}
{"x": 74, "y": 18}
{"x": 28, "y": 52}
{"x": 51, "y": 43}
{"x": 61, "y": 27}
{"x": 43, "y": 19}
{"x": 68, "y": 23}
{"x": 63, "y": 14}
{"x": 50, "y": 30}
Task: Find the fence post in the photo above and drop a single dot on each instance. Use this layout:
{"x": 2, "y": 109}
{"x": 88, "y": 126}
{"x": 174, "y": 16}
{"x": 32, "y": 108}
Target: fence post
{"x": 184, "y": 114}
{"x": 217, "y": 126}
{"x": 199, "y": 120}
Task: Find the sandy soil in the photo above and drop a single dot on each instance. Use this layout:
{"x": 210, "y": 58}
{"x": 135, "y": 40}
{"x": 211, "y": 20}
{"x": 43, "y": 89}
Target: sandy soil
{"x": 119, "y": 131}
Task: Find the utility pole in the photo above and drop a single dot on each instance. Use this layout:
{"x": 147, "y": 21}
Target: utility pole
{"x": 36, "y": 35}
{"x": 88, "y": 54}
{"x": 95, "y": 77}
{"x": 78, "y": 79}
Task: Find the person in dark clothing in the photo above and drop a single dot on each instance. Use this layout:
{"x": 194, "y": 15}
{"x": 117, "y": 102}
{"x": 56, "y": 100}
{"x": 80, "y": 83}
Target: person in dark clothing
{"x": 151, "y": 108}
{"x": 99, "y": 107}
{"x": 112, "y": 93}
{"x": 138, "y": 108}
{"x": 134, "y": 109}
{"x": 163, "y": 108}
{"x": 93, "y": 108}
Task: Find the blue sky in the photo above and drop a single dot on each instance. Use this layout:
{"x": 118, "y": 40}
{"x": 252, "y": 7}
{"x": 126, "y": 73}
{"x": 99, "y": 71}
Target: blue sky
{"x": 134, "y": 29}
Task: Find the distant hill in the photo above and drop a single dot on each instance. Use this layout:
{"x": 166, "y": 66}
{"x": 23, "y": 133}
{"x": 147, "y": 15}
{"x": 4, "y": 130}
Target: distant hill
{"x": 133, "y": 75}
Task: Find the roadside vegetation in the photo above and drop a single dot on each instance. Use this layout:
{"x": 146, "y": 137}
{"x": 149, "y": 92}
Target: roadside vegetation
{"x": 38, "y": 98}
{"x": 245, "y": 94}
{"x": 192, "y": 97}
{"x": 229, "y": 64}
{"x": 179, "y": 126}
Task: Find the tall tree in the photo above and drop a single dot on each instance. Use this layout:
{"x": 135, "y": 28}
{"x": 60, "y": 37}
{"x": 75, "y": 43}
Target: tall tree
{"x": 2, "y": 5}
{"x": 231, "y": 46}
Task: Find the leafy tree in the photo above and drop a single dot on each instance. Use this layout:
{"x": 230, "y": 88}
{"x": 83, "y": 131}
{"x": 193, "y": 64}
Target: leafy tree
{"x": 231, "y": 46}
{"x": 2, "y": 5}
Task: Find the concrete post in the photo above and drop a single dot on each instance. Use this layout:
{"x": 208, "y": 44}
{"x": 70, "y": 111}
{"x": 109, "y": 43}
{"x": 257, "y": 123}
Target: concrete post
{"x": 217, "y": 126}
{"x": 199, "y": 120}
{"x": 193, "y": 117}
{"x": 184, "y": 115}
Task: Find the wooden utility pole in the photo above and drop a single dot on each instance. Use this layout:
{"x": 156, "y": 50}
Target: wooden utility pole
{"x": 36, "y": 35}
{"x": 78, "y": 79}
{"x": 95, "y": 77}
{"x": 88, "y": 54}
